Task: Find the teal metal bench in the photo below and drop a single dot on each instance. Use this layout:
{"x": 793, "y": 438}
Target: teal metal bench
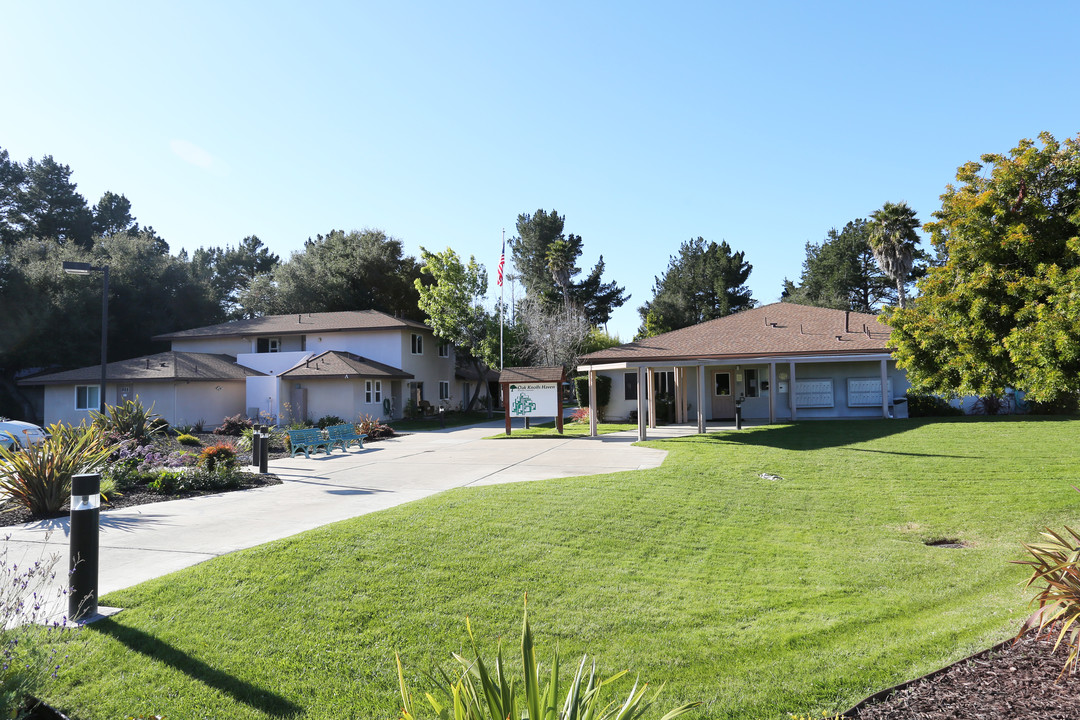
{"x": 307, "y": 441}
{"x": 344, "y": 435}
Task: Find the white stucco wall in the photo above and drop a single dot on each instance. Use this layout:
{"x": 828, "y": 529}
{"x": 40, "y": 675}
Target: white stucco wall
{"x": 226, "y": 345}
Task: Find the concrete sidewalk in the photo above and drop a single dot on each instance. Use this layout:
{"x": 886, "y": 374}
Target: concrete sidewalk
{"x": 147, "y": 541}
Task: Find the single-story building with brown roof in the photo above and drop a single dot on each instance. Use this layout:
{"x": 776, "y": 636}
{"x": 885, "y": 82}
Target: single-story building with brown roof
{"x": 190, "y": 385}
{"x": 779, "y": 362}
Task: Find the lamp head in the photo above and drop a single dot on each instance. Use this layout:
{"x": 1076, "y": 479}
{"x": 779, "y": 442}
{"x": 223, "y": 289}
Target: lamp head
{"x": 77, "y": 268}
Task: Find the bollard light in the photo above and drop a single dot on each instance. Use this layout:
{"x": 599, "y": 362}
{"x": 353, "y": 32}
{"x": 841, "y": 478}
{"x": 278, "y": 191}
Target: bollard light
{"x": 256, "y": 446}
{"x": 264, "y": 455}
{"x": 83, "y": 564}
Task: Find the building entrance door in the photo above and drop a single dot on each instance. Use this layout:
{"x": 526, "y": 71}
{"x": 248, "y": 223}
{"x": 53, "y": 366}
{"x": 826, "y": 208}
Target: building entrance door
{"x": 723, "y": 402}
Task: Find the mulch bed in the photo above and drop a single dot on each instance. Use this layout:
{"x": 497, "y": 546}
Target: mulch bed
{"x": 18, "y": 515}
{"x": 1010, "y": 681}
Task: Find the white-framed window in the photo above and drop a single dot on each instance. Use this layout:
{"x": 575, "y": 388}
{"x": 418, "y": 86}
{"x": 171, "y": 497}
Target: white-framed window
{"x": 373, "y": 391}
{"x": 268, "y": 345}
{"x": 751, "y": 386}
{"x": 444, "y": 389}
{"x": 87, "y": 397}
{"x": 417, "y": 344}
{"x": 444, "y": 350}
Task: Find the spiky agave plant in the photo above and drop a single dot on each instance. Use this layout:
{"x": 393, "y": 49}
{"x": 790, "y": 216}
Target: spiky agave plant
{"x": 39, "y": 476}
{"x": 478, "y": 694}
{"x": 1056, "y": 563}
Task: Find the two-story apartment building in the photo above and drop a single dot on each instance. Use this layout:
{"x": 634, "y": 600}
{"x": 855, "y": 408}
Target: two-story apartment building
{"x": 349, "y": 364}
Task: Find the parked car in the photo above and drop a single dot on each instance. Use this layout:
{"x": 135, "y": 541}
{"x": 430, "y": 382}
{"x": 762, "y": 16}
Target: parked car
{"x": 16, "y": 432}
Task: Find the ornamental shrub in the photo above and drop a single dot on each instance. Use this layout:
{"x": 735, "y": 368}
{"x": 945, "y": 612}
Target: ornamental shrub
{"x": 233, "y": 425}
{"x": 473, "y": 691}
{"x": 603, "y": 391}
{"x": 129, "y": 420}
{"x": 189, "y": 440}
{"x": 218, "y": 458}
{"x": 39, "y": 477}
{"x": 930, "y": 406}
{"x": 327, "y": 420}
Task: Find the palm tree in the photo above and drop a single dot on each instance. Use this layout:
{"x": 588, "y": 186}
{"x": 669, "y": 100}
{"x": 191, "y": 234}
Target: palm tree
{"x": 893, "y": 240}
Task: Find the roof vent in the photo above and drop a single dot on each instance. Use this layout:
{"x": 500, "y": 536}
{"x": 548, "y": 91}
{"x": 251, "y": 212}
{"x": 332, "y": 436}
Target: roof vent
{"x": 147, "y": 363}
{"x": 298, "y": 319}
{"x": 839, "y": 337}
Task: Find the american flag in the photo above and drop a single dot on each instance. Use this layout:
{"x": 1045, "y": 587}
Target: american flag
{"x": 502, "y": 261}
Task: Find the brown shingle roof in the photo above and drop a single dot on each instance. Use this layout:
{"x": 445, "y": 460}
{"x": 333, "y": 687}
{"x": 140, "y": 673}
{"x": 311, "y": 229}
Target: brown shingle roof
{"x": 335, "y": 364}
{"x": 299, "y": 324}
{"x": 532, "y": 374}
{"x": 172, "y": 365}
{"x": 780, "y": 329}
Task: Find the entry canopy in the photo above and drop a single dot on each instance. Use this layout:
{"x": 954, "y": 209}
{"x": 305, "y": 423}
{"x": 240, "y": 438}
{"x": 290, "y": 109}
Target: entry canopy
{"x": 547, "y": 374}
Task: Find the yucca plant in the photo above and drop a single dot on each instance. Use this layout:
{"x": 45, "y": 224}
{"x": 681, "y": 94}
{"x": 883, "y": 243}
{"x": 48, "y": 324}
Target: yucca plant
{"x": 130, "y": 420}
{"x": 1057, "y": 564}
{"x": 476, "y": 694}
{"x": 39, "y": 477}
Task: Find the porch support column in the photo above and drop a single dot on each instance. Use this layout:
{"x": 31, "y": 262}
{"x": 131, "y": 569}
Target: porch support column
{"x": 884, "y": 388}
{"x": 679, "y": 406}
{"x": 791, "y": 390}
{"x": 650, "y": 379}
{"x": 592, "y": 403}
{"x": 701, "y": 399}
{"x": 772, "y": 393}
{"x": 641, "y": 420}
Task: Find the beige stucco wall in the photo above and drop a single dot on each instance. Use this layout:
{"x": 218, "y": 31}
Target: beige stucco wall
{"x": 429, "y": 368}
{"x": 179, "y": 403}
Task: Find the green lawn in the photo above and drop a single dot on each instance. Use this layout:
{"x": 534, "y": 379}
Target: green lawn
{"x": 758, "y": 596}
{"x": 570, "y": 429}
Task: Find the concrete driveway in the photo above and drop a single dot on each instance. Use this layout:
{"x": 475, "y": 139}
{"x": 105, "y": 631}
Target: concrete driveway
{"x": 148, "y": 541}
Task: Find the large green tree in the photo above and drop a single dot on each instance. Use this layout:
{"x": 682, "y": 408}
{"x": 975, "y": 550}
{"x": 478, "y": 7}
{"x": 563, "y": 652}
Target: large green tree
{"x": 58, "y": 319}
{"x": 452, "y": 301}
{"x": 704, "y": 281}
{"x": 1001, "y": 308}
{"x": 841, "y": 273}
{"x": 359, "y": 270}
{"x": 546, "y": 261}
{"x": 894, "y": 242}
{"x": 232, "y": 270}
{"x": 50, "y": 206}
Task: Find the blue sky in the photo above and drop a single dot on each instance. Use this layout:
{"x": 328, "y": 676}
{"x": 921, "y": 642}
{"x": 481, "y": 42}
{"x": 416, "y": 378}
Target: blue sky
{"x": 763, "y": 124}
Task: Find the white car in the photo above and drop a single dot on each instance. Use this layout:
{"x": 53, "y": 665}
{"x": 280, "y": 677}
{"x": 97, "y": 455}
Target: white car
{"x": 16, "y": 432}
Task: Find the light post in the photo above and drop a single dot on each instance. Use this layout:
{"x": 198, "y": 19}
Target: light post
{"x": 82, "y": 268}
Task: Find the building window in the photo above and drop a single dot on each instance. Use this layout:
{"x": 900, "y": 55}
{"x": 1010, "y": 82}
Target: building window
{"x": 417, "y": 344}
{"x": 444, "y": 389}
{"x": 444, "y": 350}
{"x": 303, "y": 343}
{"x": 268, "y": 345}
{"x": 723, "y": 384}
{"x": 630, "y": 386}
{"x": 87, "y": 397}
{"x": 373, "y": 391}
{"x": 751, "y": 388}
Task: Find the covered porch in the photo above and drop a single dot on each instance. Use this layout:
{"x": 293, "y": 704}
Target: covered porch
{"x": 703, "y": 393}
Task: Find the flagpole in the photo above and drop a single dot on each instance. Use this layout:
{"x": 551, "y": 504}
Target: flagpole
{"x": 502, "y": 296}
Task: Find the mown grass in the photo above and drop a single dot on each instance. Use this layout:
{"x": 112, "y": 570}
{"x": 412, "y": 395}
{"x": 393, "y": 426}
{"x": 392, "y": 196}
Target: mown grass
{"x": 547, "y": 429}
{"x": 758, "y": 596}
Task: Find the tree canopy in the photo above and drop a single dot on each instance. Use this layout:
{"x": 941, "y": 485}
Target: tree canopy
{"x": 841, "y": 273}
{"x": 1001, "y": 307}
{"x": 546, "y": 260}
{"x": 704, "y": 281}
{"x": 894, "y": 243}
{"x": 358, "y": 270}
{"x": 452, "y": 301}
